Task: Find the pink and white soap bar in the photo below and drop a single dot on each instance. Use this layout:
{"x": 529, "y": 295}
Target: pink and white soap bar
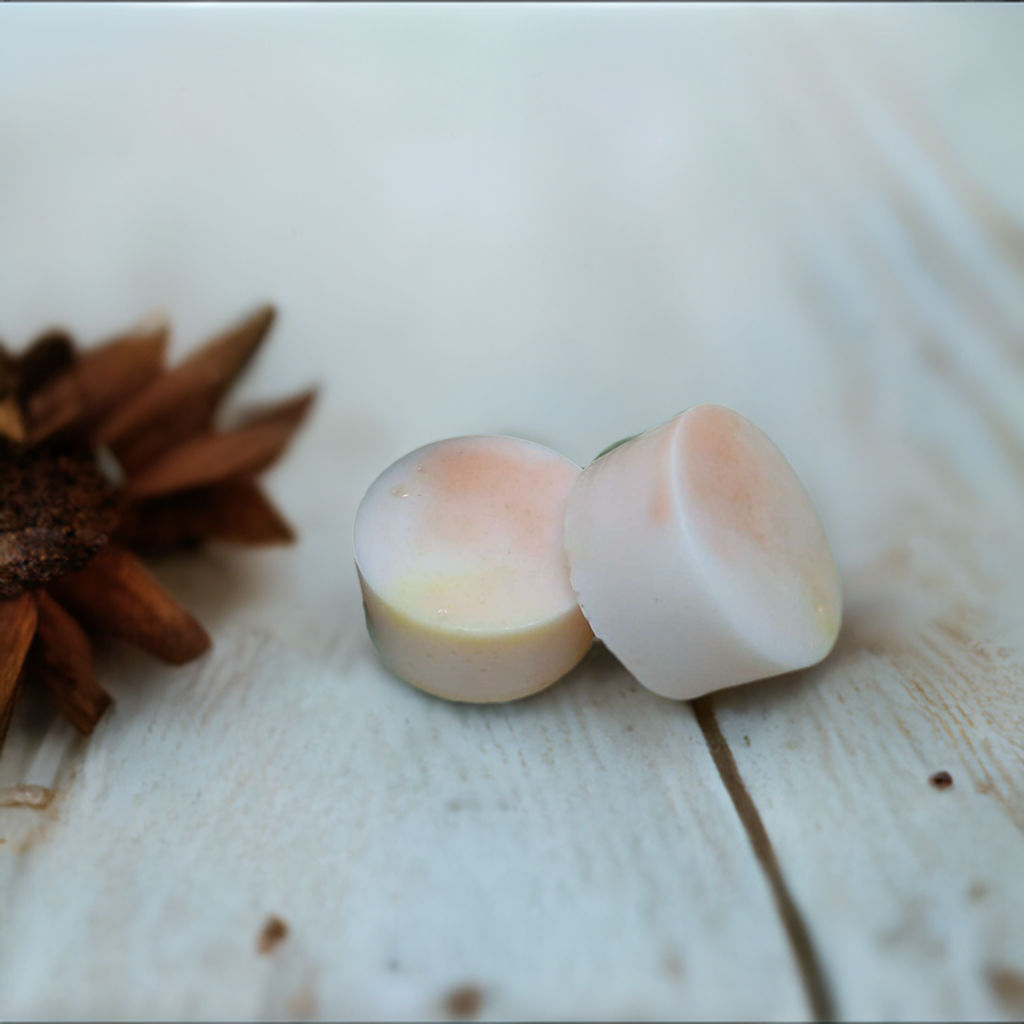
{"x": 459, "y": 550}
{"x": 699, "y": 559}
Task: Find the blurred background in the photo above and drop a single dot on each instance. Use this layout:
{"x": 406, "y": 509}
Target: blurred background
{"x": 566, "y": 223}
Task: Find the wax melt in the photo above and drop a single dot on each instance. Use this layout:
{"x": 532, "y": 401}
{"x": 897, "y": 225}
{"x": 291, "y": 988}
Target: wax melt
{"x": 699, "y": 559}
{"x": 459, "y": 550}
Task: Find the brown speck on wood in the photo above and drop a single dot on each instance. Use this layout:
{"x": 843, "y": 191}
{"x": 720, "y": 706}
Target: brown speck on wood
{"x": 1008, "y": 987}
{"x": 672, "y": 963}
{"x": 274, "y": 932}
{"x": 464, "y": 1002}
{"x": 941, "y": 780}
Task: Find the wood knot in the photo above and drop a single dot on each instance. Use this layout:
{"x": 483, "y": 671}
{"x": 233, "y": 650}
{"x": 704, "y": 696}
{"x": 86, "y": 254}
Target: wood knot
{"x": 941, "y": 780}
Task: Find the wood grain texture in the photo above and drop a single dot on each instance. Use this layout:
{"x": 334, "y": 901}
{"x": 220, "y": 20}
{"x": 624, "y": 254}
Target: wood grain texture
{"x": 566, "y": 225}
{"x": 422, "y": 845}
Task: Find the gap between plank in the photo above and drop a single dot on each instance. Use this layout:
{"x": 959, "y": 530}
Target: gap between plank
{"x": 816, "y": 986}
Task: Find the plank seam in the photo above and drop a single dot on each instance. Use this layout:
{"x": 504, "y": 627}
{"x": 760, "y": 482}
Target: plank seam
{"x": 812, "y": 974}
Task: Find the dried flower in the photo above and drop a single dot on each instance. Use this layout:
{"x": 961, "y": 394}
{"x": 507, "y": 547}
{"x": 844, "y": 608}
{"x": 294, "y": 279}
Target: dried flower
{"x": 68, "y": 534}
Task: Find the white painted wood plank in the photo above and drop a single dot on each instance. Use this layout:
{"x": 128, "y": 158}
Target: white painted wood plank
{"x": 914, "y": 896}
{"x": 572, "y": 855}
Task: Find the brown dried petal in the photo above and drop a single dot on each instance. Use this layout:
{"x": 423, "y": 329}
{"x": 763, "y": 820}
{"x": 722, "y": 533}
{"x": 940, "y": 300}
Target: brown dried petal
{"x": 290, "y": 413}
{"x": 56, "y": 511}
{"x": 62, "y": 661}
{"x": 182, "y": 403}
{"x": 12, "y": 423}
{"x": 238, "y": 513}
{"x": 103, "y": 378}
{"x": 8, "y": 373}
{"x": 50, "y": 355}
{"x": 116, "y": 595}
{"x": 17, "y": 627}
{"x": 211, "y": 459}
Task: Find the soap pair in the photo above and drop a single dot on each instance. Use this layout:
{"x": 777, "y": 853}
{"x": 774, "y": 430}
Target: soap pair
{"x": 488, "y": 563}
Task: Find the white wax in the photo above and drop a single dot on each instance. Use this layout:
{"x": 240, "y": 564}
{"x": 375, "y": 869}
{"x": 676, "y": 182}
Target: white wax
{"x": 459, "y": 550}
{"x": 699, "y": 559}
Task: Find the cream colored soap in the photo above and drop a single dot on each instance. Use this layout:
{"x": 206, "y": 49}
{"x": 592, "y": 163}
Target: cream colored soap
{"x": 699, "y": 559}
{"x": 459, "y": 550}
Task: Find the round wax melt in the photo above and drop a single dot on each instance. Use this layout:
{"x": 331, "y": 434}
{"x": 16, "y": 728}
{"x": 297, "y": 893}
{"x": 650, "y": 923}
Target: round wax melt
{"x": 465, "y": 581}
{"x": 699, "y": 559}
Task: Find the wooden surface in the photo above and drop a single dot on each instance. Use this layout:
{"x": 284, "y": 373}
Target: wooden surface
{"x": 566, "y": 224}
